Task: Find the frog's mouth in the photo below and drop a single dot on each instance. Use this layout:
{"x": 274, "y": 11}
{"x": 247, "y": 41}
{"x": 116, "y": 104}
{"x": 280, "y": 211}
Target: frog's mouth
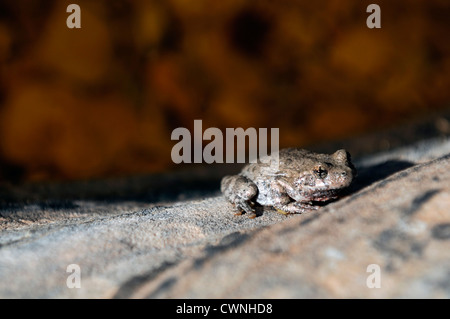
{"x": 326, "y": 195}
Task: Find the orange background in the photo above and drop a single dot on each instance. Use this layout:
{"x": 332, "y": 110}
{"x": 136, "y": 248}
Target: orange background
{"x": 103, "y": 100}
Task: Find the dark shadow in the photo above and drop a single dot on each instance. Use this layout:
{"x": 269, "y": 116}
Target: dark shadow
{"x": 178, "y": 185}
{"x": 181, "y": 185}
{"x": 371, "y": 174}
{"x": 147, "y": 191}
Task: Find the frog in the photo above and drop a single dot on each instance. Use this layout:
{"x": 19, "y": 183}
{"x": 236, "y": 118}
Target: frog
{"x": 302, "y": 181}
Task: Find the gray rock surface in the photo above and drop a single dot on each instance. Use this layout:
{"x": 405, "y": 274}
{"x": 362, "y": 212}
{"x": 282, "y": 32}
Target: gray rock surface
{"x": 396, "y": 216}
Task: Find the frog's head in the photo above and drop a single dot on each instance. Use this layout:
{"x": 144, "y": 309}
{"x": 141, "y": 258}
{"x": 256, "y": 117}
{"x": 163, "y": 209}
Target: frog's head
{"x": 326, "y": 176}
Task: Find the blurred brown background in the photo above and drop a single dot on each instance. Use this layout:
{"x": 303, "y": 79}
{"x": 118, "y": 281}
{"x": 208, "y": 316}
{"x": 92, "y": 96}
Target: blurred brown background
{"x": 103, "y": 100}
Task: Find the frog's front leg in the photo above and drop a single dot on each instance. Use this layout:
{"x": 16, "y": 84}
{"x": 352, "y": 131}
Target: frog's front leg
{"x": 294, "y": 208}
{"x": 239, "y": 190}
{"x": 284, "y": 202}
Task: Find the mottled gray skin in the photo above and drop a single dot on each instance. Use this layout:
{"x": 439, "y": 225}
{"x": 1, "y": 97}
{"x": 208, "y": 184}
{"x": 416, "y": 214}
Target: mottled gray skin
{"x": 302, "y": 180}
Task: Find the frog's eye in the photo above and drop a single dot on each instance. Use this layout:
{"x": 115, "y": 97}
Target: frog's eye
{"x": 320, "y": 172}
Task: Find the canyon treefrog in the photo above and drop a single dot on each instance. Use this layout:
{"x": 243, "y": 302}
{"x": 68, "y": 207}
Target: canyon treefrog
{"x": 303, "y": 179}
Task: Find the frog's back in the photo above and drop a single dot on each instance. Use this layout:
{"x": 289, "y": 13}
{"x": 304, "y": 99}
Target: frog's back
{"x": 262, "y": 169}
{"x": 287, "y": 157}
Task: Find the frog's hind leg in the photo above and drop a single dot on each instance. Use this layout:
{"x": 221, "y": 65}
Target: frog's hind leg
{"x": 239, "y": 190}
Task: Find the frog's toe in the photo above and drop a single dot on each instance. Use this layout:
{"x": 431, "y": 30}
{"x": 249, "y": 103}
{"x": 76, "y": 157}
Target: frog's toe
{"x": 282, "y": 212}
{"x": 247, "y": 208}
{"x": 244, "y": 207}
{"x": 294, "y": 208}
{"x": 252, "y": 216}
